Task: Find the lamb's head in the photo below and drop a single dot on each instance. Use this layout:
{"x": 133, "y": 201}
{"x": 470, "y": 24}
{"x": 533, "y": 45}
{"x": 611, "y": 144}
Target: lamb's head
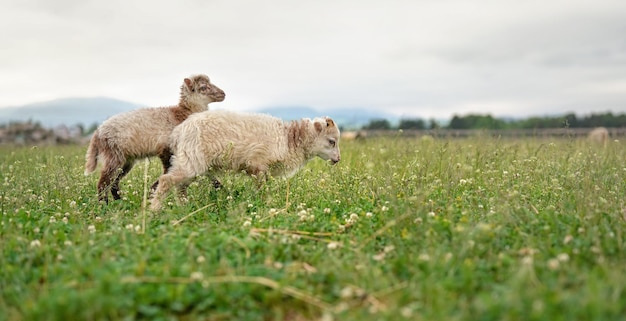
{"x": 197, "y": 92}
{"x": 325, "y": 143}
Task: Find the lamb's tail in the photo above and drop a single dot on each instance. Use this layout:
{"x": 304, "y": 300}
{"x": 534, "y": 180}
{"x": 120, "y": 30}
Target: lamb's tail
{"x": 92, "y": 154}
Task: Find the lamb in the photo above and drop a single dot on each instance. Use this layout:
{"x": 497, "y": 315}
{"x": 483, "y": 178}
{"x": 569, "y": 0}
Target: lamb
{"x": 124, "y": 138}
{"x": 599, "y": 135}
{"x": 258, "y": 144}
{"x": 353, "y": 135}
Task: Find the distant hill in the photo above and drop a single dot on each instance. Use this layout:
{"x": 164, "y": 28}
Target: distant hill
{"x": 89, "y": 111}
{"x": 351, "y": 118}
{"x": 67, "y": 111}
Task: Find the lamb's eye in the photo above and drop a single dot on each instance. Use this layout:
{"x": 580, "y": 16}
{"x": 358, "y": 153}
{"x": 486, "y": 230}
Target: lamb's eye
{"x": 331, "y": 142}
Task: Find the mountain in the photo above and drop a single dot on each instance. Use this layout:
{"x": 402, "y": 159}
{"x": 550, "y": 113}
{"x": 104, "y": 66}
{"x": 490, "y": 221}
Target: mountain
{"x": 89, "y": 111}
{"x": 350, "y": 118}
{"x": 67, "y": 111}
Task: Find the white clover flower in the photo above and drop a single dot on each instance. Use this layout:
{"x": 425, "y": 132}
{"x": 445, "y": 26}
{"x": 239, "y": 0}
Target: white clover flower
{"x": 424, "y": 257}
{"x": 327, "y": 210}
{"x": 196, "y": 276}
{"x": 567, "y": 239}
{"x": 553, "y": 264}
{"x": 229, "y": 198}
{"x": 354, "y": 216}
{"x": 247, "y": 223}
{"x": 563, "y": 257}
{"x": 65, "y": 220}
{"x": 369, "y": 214}
{"x": 35, "y": 243}
{"x": 91, "y": 229}
{"x": 384, "y": 208}
{"x": 346, "y": 292}
{"x": 200, "y": 259}
{"x": 379, "y": 257}
{"x": 527, "y": 260}
{"x": 462, "y": 181}
{"x": 67, "y": 243}
{"x": 52, "y": 220}
{"x": 130, "y": 227}
{"x": 273, "y": 211}
{"x": 406, "y": 312}
{"x": 332, "y": 245}
{"x": 431, "y": 214}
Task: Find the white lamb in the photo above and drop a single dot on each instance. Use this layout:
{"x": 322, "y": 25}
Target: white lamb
{"x": 261, "y": 145}
{"x": 599, "y": 135}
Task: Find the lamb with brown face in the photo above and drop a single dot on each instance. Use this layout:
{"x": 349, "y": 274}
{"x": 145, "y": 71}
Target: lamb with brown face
{"x": 259, "y": 145}
{"x": 124, "y": 138}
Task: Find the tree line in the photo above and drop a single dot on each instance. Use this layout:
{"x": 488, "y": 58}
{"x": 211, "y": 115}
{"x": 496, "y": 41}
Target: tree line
{"x": 477, "y": 121}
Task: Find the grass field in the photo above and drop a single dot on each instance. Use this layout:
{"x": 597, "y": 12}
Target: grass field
{"x": 400, "y": 229}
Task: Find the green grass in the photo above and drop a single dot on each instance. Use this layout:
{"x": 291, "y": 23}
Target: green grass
{"x": 415, "y": 229}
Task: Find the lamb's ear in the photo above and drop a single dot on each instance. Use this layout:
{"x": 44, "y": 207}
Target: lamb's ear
{"x": 318, "y": 126}
{"x": 188, "y": 83}
{"x": 329, "y": 122}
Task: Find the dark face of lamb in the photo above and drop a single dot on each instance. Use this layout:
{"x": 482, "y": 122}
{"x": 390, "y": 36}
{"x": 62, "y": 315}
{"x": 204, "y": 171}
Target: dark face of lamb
{"x": 199, "y": 89}
{"x": 326, "y": 143}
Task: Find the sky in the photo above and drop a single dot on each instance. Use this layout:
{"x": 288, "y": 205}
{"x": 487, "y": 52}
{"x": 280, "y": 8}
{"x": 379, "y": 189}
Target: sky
{"x": 411, "y": 58}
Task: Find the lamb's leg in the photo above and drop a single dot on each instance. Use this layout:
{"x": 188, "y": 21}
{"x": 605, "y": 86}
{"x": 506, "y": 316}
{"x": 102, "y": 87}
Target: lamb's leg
{"x": 166, "y": 160}
{"x": 115, "y": 187}
{"x": 259, "y": 172}
{"x": 216, "y": 182}
{"x": 166, "y": 182}
{"x": 110, "y": 170}
{"x": 104, "y": 184}
{"x": 182, "y": 189}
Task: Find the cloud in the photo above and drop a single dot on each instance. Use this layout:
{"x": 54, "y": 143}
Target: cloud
{"x": 423, "y": 58}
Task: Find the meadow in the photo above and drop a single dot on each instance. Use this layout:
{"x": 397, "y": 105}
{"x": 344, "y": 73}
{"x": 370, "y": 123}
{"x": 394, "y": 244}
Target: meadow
{"x": 481, "y": 228}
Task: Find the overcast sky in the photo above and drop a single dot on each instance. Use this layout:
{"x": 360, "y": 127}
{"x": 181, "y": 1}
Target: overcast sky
{"x": 417, "y": 58}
